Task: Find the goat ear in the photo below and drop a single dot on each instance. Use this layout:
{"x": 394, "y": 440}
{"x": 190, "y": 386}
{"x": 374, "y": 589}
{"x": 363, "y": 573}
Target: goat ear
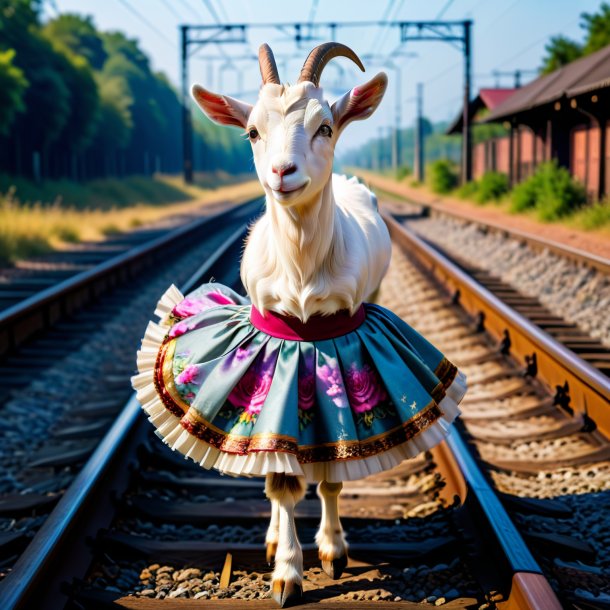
{"x": 221, "y": 108}
{"x": 360, "y": 102}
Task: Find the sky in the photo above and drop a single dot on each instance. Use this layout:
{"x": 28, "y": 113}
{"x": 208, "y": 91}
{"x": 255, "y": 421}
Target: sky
{"x": 506, "y": 35}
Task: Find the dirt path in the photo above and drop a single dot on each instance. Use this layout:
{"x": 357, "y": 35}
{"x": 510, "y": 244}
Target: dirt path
{"x": 595, "y": 243}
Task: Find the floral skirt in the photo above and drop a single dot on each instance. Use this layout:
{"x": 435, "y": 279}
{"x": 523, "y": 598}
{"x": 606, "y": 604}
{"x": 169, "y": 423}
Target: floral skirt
{"x": 335, "y": 399}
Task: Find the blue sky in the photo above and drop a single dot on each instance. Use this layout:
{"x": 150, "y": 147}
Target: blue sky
{"x": 507, "y": 35}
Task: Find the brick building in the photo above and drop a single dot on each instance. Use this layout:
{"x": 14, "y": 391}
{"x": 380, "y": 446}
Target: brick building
{"x": 564, "y": 115}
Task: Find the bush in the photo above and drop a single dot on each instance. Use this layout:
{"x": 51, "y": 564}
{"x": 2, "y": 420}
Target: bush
{"x": 595, "y": 216}
{"x": 468, "y": 190}
{"x": 524, "y": 195}
{"x": 492, "y": 187}
{"x": 551, "y": 191}
{"x": 443, "y": 177}
{"x": 402, "y": 172}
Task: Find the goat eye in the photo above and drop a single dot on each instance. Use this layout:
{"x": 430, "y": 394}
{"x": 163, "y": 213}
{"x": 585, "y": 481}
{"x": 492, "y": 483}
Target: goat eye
{"x": 325, "y": 131}
{"x": 253, "y": 134}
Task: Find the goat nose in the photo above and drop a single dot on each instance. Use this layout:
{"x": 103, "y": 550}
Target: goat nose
{"x": 284, "y": 170}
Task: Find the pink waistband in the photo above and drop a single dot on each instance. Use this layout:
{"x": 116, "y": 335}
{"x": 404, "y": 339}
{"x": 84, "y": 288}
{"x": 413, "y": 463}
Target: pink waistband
{"x": 317, "y": 328}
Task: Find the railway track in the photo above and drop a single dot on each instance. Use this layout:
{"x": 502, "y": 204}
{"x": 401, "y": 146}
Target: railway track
{"x": 462, "y": 527}
{"x": 540, "y": 430}
{"x": 64, "y": 377}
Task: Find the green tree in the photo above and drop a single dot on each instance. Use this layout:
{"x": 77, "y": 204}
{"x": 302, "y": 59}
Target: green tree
{"x": 12, "y": 87}
{"x": 77, "y": 75}
{"x": 597, "y": 27}
{"x": 560, "y": 51}
{"x": 78, "y": 34}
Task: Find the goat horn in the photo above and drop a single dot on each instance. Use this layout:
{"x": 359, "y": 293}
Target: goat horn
{"x": 320, "y": 56}
{"x": 267, "y": 64}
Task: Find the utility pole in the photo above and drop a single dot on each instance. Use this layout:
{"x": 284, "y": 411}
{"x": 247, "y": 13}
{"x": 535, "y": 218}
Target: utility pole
{"x": 187, "y": 128}
{"x": 396, "y": 143}
{"x": 466, "y": 133}
{"x": 419, "y": 135}
{"x": 516, "y": 74}
{"x": 195, "y": 37}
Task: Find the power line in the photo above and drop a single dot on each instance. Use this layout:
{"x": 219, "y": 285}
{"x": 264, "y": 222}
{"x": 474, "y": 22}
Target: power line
{"x": 443, "y": 73}
{"x": 146, "y": 22}
{"x": 454, "y": 66}
{"x": 53, "y": 5}
{"x": 381, "y": 31}
{"x": 504, "y": 12}
{"x": 533, "y": 44}
{"x": 312, "y": 11}
{"x": 223, "y": 11}
{"x": 171, "y": 9}
{"x": 190, "y": 9}
{"x": 212, "y": 10}
{"x": 444, "y": 9}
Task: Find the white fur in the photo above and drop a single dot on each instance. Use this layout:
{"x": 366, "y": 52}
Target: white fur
{"x": 330, "y": 537}
{"x": 320, "y": 247}
{"x": 320, "y": 250}
{"x": 289, "y": 555}
{"x": 273, "y": 530}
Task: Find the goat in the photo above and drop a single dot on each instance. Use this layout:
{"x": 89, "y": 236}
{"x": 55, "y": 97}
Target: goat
{"x": 320, "y": 247}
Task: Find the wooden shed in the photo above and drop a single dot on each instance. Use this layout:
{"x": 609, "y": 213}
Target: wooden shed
{"x": 564, "y": 115}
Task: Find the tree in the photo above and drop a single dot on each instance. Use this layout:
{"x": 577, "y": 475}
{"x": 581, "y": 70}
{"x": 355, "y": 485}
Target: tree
{"x": 78, "y": 35}
{"x": 77, "y": 75}
{"x": 12, "y": 87}
{"x": 597, "y": 27}
{"x": 560, "y": 51}
{"x": 86, "y": 103}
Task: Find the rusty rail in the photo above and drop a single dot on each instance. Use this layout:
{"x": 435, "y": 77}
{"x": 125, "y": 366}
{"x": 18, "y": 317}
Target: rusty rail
{"x": 588, "y": 389}
{"x": 40, "y": 311}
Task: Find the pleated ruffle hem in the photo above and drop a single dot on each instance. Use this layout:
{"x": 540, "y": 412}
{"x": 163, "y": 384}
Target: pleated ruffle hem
{"x": 335, "y": 399}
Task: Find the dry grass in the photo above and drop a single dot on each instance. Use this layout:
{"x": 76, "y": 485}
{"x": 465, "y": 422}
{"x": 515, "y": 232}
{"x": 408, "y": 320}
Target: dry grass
{"x": 28, "y": 229}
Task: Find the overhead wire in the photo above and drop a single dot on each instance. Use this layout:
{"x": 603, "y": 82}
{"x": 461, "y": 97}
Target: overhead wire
{"x": 212, "y": 10}
{"x": 452, "y": 67}
{"x": 190, "y": 8}
{"x": 382, "y": 29}
{"x": 225, "y": 16}
{"x": 444, "y": 9}
{"x": 532, "y": 45}
{"x": 312, "y": 11}
{"x": 146, "y": 22}
{"x": 171, "y": 9}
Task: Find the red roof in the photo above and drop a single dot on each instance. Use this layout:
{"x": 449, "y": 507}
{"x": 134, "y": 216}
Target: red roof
{"x": 494, "y": 97}
{"x": 487, "y": 99}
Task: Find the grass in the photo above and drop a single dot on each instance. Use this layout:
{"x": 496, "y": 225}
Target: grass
{"x": 550, "y": 198}
{"x": 36, "y": 219}
{"x": 592, "y": 217}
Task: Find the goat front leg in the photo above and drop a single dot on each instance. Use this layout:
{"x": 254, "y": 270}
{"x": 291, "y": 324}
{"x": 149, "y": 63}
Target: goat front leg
{"x": 287, "y": 580}
{"x": 273, "y": 531}
{"x": 332, "y": 547}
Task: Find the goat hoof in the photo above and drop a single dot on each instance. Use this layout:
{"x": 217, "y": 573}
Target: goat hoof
{"x": 334, "y": 567}
{"x": 286, "y": 594}
{"x": 271, "y": 551}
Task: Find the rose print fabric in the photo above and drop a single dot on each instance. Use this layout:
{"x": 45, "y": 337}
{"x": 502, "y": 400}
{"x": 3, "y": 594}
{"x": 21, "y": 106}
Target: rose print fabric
{"x": 242, "y": 390}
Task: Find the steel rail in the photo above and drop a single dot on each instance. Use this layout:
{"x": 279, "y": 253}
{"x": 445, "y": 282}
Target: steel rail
{"x": 529, "y": 585}
{"x": 20, "y": 585}
{"x": 589, "y": 389}
{"x": 530, "y": 589}
{"x": 41, "y": 310}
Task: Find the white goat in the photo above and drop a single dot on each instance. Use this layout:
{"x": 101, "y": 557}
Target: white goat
{"x": 319, "y": 248}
